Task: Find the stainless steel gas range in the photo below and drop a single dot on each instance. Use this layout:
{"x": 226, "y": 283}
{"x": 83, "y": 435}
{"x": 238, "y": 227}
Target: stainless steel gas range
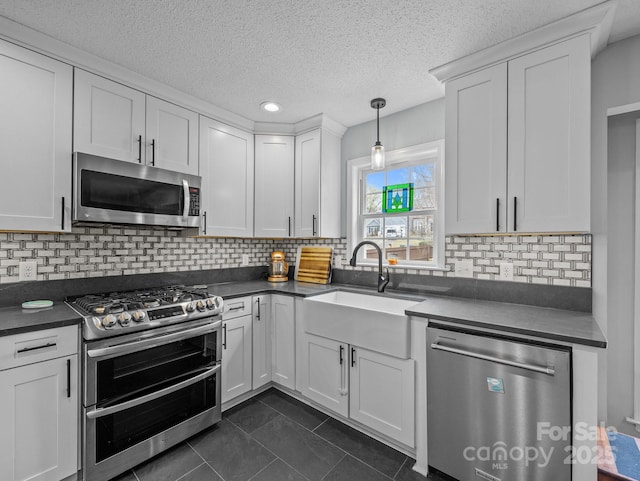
{"x": 151, "y": 371}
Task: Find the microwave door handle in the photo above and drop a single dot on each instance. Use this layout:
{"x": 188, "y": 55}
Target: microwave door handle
{"x": 187, "y": 198}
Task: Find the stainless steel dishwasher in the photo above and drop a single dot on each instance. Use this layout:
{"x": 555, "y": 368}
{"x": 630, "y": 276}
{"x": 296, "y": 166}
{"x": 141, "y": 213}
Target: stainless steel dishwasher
{"x": 497, "y": 409}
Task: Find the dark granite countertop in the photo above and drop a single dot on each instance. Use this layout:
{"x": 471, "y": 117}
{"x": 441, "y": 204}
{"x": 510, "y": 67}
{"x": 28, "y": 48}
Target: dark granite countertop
{"x": 15, "y": 320}
{"x": 543, "y": 322}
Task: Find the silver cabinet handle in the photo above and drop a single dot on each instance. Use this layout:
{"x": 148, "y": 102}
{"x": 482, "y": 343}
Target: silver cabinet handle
{"x": 100, "y": 412}
{"x": 153, "y": 341}
{"x": 476, "y": 355}
{"x": 258, "y": 314}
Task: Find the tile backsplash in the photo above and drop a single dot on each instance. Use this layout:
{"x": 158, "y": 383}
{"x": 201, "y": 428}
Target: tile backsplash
{"x": 113, "y": 251}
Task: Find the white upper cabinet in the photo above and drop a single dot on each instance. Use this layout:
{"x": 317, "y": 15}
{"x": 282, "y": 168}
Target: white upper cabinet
{"x": 109, "y": 118}
{"x": 317, "y": 184}
{"x": 115, "y": 121}
{"x": 226, "y": 167}
{"x": 476, "y": 152}
{"x": 36, "y": 95}
{"x": 273, "y": 186}
{"x": 518, "y": 144}
{"x": 172, "y": 136}
{"x": 549, "y": 138}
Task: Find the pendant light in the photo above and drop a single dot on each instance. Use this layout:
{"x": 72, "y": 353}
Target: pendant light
{"x": 377, "y": 151}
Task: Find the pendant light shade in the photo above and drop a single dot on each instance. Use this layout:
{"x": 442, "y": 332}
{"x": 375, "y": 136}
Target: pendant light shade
{"x": 377, "y": 151}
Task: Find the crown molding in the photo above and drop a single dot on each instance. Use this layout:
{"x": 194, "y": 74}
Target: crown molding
{"x": 596, "y": 21}
{"x": 319, "y": 121}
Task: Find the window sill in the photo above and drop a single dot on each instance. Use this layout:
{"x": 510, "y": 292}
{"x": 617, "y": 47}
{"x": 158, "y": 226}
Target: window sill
{"x": 400, "y": 266}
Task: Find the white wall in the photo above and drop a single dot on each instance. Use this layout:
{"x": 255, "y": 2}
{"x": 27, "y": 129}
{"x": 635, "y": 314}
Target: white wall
{"x": 615, "y": 82}
{"x": 417, "y": 125}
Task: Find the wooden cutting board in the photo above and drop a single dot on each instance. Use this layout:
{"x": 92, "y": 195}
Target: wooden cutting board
{"x": 313, "y": 264}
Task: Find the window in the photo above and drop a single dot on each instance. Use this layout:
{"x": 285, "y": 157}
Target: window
{"x": 399, "y": 208}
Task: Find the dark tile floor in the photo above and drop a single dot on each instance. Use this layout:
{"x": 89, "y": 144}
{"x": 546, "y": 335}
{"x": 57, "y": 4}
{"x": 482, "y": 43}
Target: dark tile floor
{"x": 274, "y": 437}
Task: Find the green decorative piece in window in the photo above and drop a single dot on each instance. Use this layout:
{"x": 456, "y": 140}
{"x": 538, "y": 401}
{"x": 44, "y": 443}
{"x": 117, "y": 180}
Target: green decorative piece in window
{"x": 397, "y": 198}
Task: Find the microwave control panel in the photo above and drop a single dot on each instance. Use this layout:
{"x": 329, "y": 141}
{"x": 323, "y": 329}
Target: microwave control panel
{"x": 194, "y": 201}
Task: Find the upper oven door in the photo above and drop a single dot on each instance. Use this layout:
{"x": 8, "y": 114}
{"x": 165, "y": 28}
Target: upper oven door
{"x": 113, "y": 191}
{"x": 127, "y": 368}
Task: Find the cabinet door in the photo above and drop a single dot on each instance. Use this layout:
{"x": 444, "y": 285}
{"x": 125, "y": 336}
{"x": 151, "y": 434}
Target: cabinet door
{"x": 109, "y": 118}
{"x": 549, "y": 138}
{"x": 325, "y": 377}
{"x": 35, "y": 139}
{"x": 261, "y": 341}
{"x": 383, "y": 393}
{"x": 307, "y": 184}
{"x": 273, "y": 186}
{"x": 39, "y": 418}
{"x": 283, "y": 340}
{"x": 236, "y": 357}
{"x": 172, "y": 136}
{"x": 226, "y": 167}
{"x": 476, "y": 152}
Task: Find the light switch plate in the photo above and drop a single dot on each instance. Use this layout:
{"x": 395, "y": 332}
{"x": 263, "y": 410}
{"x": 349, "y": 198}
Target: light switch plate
{"x": 245, "y": 259}
{"x": 337, "y": 262}
{"x": 464, "y": 268}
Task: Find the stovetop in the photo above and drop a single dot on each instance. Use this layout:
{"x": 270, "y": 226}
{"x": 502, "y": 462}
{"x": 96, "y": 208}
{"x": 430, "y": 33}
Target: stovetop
{"x": 117, "y": 313}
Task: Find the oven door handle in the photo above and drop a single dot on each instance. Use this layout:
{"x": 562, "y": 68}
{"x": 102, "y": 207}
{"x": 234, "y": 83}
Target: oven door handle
{"x": 148, "y": 343}
{"x": 101, "y": 412}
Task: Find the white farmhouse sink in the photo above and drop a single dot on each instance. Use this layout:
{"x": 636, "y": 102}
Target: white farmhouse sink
{"x": 370, "y": 321}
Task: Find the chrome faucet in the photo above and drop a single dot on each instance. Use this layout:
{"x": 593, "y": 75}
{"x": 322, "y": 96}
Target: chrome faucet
{"x": 383, "y": 279}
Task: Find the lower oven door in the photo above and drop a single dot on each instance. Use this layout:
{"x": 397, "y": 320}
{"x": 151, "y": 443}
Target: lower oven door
{"x": 145, "y": 394}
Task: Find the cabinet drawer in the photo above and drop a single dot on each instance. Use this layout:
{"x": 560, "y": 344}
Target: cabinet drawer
{"x": 36, "y": 346}
{"x": 240, "y": 306}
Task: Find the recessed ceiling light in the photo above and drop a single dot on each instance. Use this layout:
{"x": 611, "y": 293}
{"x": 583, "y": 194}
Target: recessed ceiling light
{"x": 270, "y": 106}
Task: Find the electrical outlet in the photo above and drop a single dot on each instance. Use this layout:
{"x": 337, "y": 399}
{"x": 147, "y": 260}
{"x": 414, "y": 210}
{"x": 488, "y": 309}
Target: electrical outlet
{"x": 245, "y": 259}
{"x": 27, "y": 271}
{"x": 464, "y": 268}
{"x": 337, "y": 262}
{"x": 506, "y": 271}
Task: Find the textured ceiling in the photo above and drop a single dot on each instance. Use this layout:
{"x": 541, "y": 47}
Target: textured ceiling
{"x": 311, "y": 56}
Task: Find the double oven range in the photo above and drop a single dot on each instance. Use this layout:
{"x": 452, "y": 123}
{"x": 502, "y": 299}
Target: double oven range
{"x": 151, "y": 372}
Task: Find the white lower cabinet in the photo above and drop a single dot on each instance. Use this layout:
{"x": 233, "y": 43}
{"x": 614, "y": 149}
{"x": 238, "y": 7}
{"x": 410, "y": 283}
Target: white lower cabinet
{"x": 261, "y": 340}
{"x": 383, "y": 393}
{"x": 236, "y": 348}
{"x": 39, "y": 399}
{"x": 375, "y": 389}
{"x": 283, "y": 341}
{"x": 325, "y": 375}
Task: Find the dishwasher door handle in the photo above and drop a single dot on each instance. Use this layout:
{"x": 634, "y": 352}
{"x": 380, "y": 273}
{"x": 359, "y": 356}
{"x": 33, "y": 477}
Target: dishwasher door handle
{"x": 531, "y": 367}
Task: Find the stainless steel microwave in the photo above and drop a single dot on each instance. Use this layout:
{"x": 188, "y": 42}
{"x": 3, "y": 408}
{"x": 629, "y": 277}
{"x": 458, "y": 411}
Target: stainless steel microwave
{"x": 116, "y": 192}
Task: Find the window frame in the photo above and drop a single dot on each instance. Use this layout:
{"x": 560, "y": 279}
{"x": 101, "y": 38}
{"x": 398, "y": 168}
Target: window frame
{"x": 396, "y": 158}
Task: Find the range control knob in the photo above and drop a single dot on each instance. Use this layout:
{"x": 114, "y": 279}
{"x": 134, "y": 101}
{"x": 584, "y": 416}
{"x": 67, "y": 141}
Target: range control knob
{"x": 124, "y": 319}
{"x": 108, "y": 321}
{"x": 138, "y": 316}
{"x": 200, "y": 306}
{"x": 191, "y": 307}
{"x": 211, "y": 303}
